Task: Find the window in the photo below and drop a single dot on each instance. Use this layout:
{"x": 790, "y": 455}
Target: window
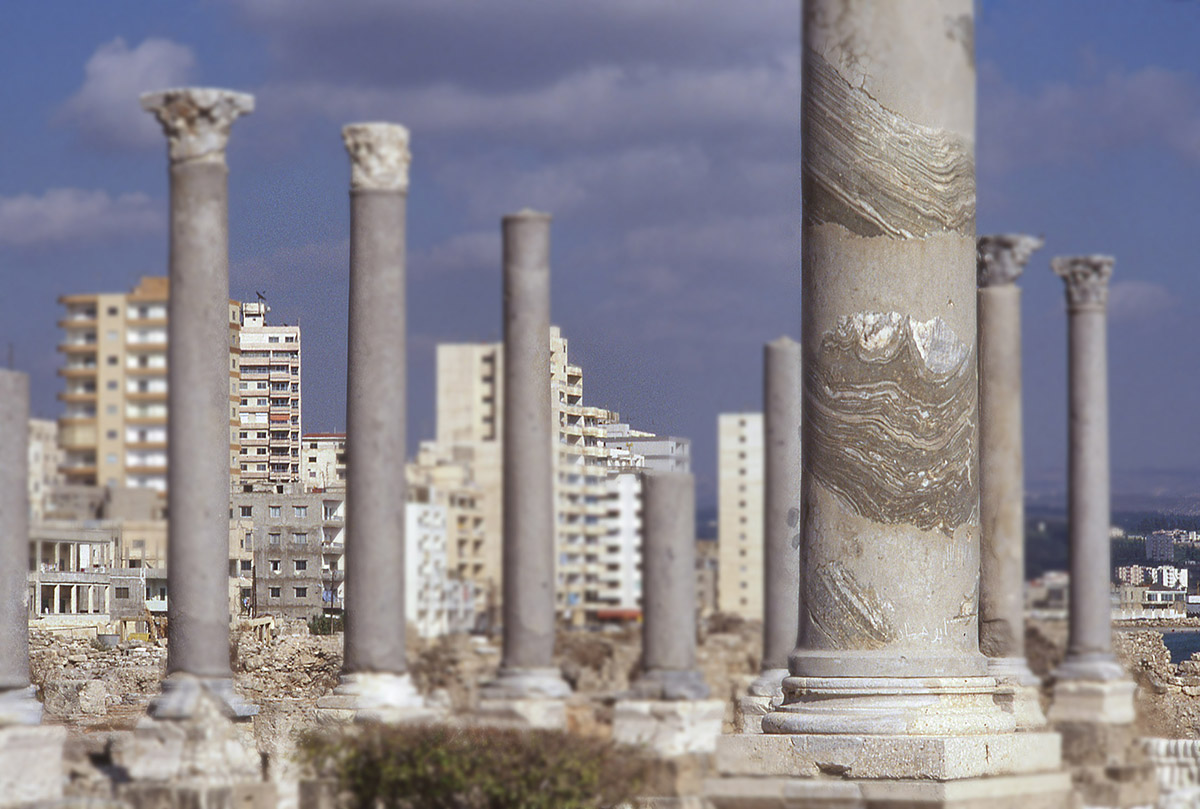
{"x": 300, "y": 538}
{"x": 300, "y": 511}
{"x": 273, "y": 539}
{"x": 248, "y": 541}
{"x": 111, "y": 384}
{"x": 122, "y": 592}
{"x": 110, "y": 434}
{"x": 272, "y": 339}
{"x": 247, "y": 564}
{"x": 274, "y": 511}
{"x": 301, "y": 564}
{"x": 301, "y": 592}
{"x": 112, "y": 311}
{"x": 275, "y": 563}
{"x": 275, "y": 592}
{"x": 247, "y": 511}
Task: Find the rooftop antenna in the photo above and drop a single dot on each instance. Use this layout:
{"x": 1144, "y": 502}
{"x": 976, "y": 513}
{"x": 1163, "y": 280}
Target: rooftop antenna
{"x": 262, "y": 296}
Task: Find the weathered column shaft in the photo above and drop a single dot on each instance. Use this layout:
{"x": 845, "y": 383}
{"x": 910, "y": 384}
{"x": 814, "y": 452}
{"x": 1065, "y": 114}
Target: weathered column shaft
{"x": 14, "y": 530}
{"x": 1089, "y": 648}
{"x": 1001, "y": 260}
{"x": 528, "y": 560}
{"x": 890, "y": 524}
{"x": 197, "y": 124}
{"x": 375, "y": 401}
{"x": 668, "y": 572}
{"x": 781, "y": 504}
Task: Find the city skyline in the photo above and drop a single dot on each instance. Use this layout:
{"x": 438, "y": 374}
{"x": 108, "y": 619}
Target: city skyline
{"x": 663, "y": 140}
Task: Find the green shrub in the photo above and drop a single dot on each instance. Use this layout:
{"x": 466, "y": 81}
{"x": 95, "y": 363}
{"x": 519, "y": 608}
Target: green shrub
{"x": 436, "y": 767}
{"x": 324, "y": 624}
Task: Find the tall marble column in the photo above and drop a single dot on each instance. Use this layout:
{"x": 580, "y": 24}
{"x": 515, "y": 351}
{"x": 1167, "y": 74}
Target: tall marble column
{"x": 1001, "y": 260}
{"x": 1089, "y": 657}
{"x": 375, "y": 677}
{"x": 889, "y": 639}
{"x": 197, "y": 122}
{"x": 527, "y": 667}
{"x": 669, "y": 589}
{"x": 18, "y": 706}
{"x": 781, "y": 512}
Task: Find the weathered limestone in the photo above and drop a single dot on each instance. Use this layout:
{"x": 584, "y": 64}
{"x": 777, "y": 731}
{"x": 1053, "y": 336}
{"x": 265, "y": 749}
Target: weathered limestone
{"x": 781, "y": 529}
{"x": 527, "y": 669}
{"x": 669, "y": 589}
{"x": 1001, "y": 260}
{"x": 889, "y": 697}
{"x": 31, "y": 766}
{"x": 1089, "y": 654}
{"x": 196, "y": 122}
{"x": 375, "y": 681}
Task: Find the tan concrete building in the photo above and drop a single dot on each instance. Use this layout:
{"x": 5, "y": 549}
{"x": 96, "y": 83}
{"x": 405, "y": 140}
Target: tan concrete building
{"x": 269, "y": 410}
{"x": 323, "y": 460}
{"x": 740, "y": 514}
{"x": 44, "y": 461}
{"x": 113, "y": 430}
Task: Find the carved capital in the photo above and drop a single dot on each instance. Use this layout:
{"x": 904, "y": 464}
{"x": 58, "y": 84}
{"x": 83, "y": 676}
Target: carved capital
{"x": 196, "y": 120}
{"x": 1001, "y": 258}
{"x": 379, "y": 156}
{"x": 1086, "y": 279}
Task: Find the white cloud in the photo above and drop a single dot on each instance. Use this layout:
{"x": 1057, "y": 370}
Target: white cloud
{"x": 76, "y": 216}
{"x": 106, "y": 109}
{"x": 1138, "y": 301}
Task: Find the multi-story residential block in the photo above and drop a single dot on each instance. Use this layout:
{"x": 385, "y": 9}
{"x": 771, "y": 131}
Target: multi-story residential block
{"x": 740, "y": 514}
{"x": 425, "y": 568}
{"x": 113, "y": 430}
{"x": 323, "y": 460}
{"x": 1160, "y": 545}
{"x": 666, "y": 453}
{"x": 269, "y": 411}
{"x": 44, "y": 461}
{"x": 70, "y": 572}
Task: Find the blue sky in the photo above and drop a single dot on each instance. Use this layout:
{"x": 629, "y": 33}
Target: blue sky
{"x": 664, "y": 138}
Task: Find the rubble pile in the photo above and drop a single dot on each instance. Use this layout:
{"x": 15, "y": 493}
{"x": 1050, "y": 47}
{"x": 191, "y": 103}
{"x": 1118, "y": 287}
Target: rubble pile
{"x": 89, "y": 684}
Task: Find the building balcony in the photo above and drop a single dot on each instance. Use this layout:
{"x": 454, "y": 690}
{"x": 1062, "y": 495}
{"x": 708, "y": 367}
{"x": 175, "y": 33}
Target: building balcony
{"x": 77, "y": 371}
{"x": 78, "y": 435}
{"x": 75, "y": 473}
{"x": 151, "y": 469}
{"x": 147, "y": 322}
{"x": 77, "y": 396}
{"x": 76, "y": 349}
{"x": 146, "y": 395}
{"x": 147, "y": 347}
{"x": 146, "y": 420}
{"x": 78, "y": 321}
{"x": 146, "y": 445}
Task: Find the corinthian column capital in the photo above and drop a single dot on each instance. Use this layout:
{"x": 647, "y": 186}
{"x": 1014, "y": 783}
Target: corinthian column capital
{"x": 196, "y": 120}
{"x": 1001, "y": 258}
{"x": 1086, "y": 279}
{"x": 379, "y": 156}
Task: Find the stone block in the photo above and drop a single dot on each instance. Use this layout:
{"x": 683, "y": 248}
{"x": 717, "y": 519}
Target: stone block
{"x": 935, "y": 758}
{"x": 669, "y": 727}
{"x": 545, "y": 714}
{"x": 1040, "y": 791}
{"x": 1108, "y": 702}
{"x": 750, "y": 711}
{"x": 31, "y": 764}
{"x": 198, "y": 796}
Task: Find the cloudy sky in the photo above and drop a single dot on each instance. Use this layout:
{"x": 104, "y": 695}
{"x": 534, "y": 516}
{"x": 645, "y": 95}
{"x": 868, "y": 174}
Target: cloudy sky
{"x": 662, "y": 135}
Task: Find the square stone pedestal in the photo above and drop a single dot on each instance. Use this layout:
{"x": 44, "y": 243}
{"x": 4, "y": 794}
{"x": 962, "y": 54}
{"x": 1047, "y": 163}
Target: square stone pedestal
{"x": 750, "y": 711}
{"x": 996, "y": 771}
{"x": 31, "y": 764}
{"x": 540, "y": 714}
{"x": 669, "y": 727}
{"x": 1108, "y": 702}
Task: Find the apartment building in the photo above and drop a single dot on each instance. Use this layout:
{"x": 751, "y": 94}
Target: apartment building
{"x": 44, "y": 461}
{"x": 269, "y": 388}
{"x": 113, "y": 429}
{"x": 323, "y": 460}
{"x": 425, "y": 568}
{"x": 740, "y": 514}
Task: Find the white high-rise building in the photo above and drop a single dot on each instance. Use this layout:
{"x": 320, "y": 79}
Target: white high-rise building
{"x": 269, "y": 425}
{"x": 740, "y": 514}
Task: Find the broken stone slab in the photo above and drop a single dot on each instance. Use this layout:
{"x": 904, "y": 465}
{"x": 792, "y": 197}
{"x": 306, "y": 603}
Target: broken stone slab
{"x": 935, "y": 758}
{"x": 750, "y": 710}
{"x": 31, "y": 764}
{"x": 669, "y": 727}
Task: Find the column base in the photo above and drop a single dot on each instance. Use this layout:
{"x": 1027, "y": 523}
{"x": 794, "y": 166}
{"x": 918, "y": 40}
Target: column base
{"x": 19, "y": 706}
{"x": 183, "y": 694}
{"x": 530, "y": 683}
{"x": 669, "y": 727}
{"x": 670, "y": 684}
{"x": 31, "y": 763}
{"x": 1104, "y": 702}
{"x": 540, "y": 714}
{"x": 1018, "y": 691}
{"x": 889, "y": 706}
{"x": 1097, "y": 667}
{"x": 991, "y": 771}
{"x": 375, "y": 697}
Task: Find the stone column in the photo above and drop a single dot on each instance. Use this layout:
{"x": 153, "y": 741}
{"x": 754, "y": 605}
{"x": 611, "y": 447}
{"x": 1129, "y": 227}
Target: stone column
{"x": 527, "y": 669}
{"x": 781, "y": 512}
{"x": 669, "y": 589}
{"x": 196, "y": 122}
{"x": 1001, "y": 260}
{"x": 375, "y": 680}
{"x": 890, "y": 526}
{"x": 1091, "y": 684}
{"x": 18, "y": 705}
